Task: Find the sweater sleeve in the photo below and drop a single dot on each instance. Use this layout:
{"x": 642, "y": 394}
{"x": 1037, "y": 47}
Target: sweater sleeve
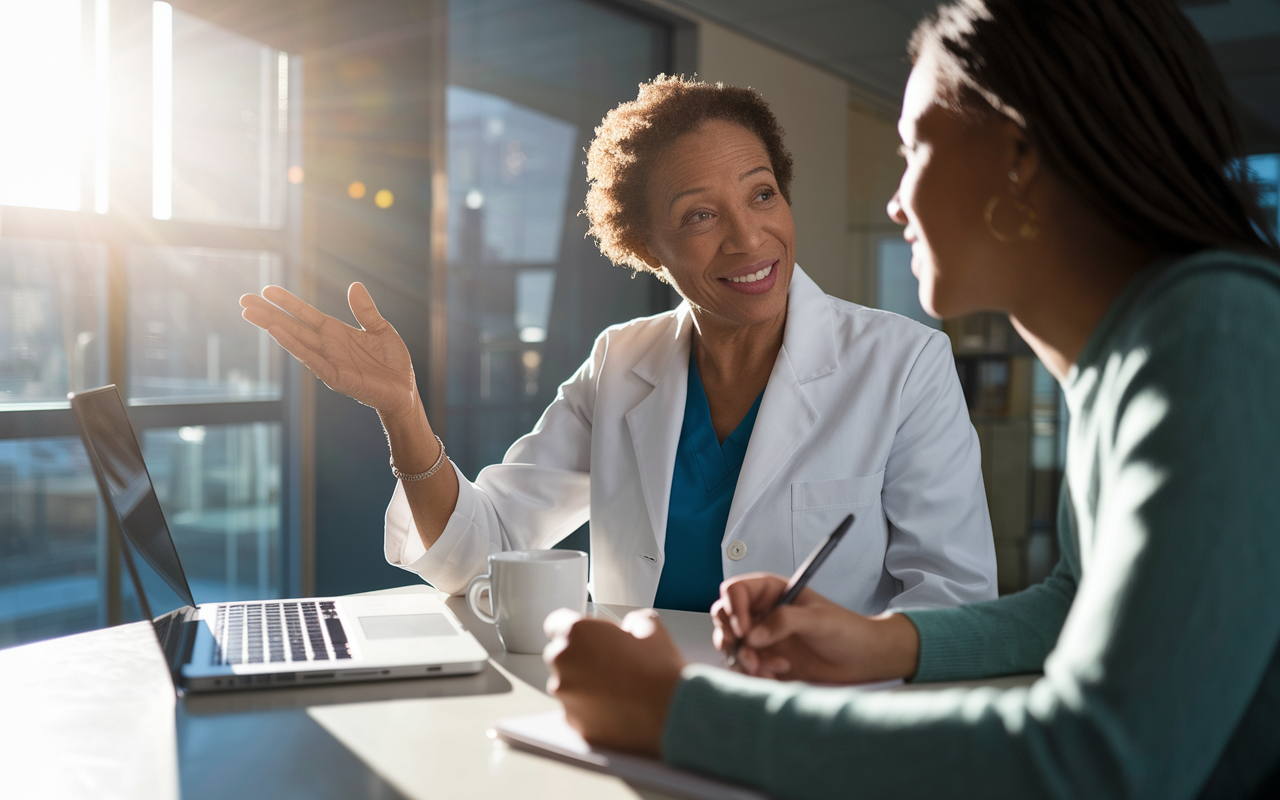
{"x": 1167, "y": 649}
{"x": 1009, "y": 636}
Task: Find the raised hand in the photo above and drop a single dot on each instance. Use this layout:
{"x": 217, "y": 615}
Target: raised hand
{"x": 812, "y": 639}
{"x": 370, "y": 364}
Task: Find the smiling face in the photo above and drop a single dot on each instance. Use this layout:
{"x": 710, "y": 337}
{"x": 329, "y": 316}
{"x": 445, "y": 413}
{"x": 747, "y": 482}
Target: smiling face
{"x": 718, "y": 228}
{"x": 955, "y": 165}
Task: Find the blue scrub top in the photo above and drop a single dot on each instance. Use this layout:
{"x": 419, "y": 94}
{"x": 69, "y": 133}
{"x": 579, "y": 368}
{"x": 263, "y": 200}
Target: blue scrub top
{"x": 706, "y": 475}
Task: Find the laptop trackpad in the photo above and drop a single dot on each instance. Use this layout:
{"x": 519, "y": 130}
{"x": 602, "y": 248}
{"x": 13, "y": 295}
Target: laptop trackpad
{"x": 404, "y": 626}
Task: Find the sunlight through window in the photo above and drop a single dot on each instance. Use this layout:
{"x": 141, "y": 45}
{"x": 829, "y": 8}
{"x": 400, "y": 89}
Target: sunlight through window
{"x": 48, "y": 103}
{"x": 102, "y": 104}
{"x": 162, "y": 111}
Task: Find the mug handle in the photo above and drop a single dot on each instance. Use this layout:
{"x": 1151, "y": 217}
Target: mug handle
{"x": 479, "y": 584}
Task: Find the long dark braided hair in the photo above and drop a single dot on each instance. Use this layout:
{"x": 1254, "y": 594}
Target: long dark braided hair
{"x": 1123, "y": 100}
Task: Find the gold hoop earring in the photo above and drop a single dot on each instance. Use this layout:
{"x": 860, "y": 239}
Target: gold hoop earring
{"x": 1027, "y": 231}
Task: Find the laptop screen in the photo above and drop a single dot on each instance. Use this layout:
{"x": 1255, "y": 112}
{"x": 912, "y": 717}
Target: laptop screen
{"x": 117, "y": 460}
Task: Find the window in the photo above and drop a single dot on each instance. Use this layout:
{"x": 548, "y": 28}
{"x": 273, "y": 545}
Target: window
{"x": 41, "y": 156}
{"x": 897, "y": 288}
{"x": 104, "y": 278}
{"x": 157, "y": 176}
{"x": 1265, "y": 170}
{"x": 1018, "y": 411}
{"x": 529, "y": 81}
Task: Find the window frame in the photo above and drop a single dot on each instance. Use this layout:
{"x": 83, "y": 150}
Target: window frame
{"x": 128, "y": 223}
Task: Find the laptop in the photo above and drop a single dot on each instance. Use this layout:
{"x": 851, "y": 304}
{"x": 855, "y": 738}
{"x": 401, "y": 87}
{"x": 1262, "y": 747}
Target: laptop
{"x": 261, "y": 643}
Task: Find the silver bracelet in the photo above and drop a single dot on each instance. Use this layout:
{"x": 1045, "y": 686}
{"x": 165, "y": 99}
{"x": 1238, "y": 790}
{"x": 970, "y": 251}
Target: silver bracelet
{"x": 421, "y": 476}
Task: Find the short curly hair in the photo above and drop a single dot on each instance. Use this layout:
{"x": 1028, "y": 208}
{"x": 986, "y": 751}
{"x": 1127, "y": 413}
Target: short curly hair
{"x": 632, "y": 135}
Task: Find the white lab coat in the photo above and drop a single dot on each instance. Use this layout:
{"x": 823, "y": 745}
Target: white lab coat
{"x": 863, "y": 413}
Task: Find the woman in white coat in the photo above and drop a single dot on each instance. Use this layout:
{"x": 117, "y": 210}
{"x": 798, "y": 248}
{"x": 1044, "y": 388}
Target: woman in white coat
{"x": 727, "y": 436}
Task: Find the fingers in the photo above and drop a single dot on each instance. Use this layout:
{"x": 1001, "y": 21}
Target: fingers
{"x": 642, "y": 623}
{"x": 558, "y": 622}
{"x": 576, "y": 646}
{"x": 268, "y": 317}
{"x": 774, "y": 667}
{"x": 744, "y": 596}
{"x": 564, "y": 627}
{"x": 310, "y": 358}
{"x": 722, "y": 635}
{"x": 362, "y": 306}
{"x": 260, "y": 312}
{"x": 783, "y": 622}
{"x": 304, "y": 312}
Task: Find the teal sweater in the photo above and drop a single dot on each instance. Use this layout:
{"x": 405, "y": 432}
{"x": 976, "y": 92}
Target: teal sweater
{"x": 1157, "y": 631}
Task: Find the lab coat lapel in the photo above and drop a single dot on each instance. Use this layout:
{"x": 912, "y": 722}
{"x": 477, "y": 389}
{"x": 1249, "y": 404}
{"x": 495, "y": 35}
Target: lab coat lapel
{"x": 787, "y": 415}
{"x": 656, "y": 420}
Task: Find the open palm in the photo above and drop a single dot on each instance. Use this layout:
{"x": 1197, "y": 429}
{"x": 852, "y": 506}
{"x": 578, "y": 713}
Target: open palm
{"x": 370, "y": 364}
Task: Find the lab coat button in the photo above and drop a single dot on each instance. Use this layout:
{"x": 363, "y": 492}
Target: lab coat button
{"x": 737, "y": 550}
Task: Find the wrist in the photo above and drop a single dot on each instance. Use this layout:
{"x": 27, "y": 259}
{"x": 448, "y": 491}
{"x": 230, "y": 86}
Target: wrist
{"x": 667, "y": 706}
{"x": 413, "y": 444}
{"x": 411, "y": 420}
{"x": 664, "y": 695}
{"x": 899, "y": 651}
{"x": 410, "y": 416}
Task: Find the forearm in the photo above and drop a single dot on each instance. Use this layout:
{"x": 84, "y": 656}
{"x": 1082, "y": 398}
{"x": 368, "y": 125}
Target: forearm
{"x": 893, "y": 651}
{"x": 1007, "y": 636}
{"x": 414, "y": 450}
{"x": 793, "y": 740}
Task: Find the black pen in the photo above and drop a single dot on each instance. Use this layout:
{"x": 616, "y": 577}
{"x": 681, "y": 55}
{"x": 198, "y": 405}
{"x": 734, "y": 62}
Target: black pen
{"x": 801, "y": 578}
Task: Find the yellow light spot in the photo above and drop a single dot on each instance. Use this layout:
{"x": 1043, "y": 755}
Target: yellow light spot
{"x": 295, "y": 174}
{"x": 384, "y": 198}
{"x": 356, "y": 190}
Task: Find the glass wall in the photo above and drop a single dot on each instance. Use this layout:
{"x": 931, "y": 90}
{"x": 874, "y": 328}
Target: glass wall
{"x": 157, "y": 176}
{"x": 53, "y": 321}
{"x": 1018, "y": 411}
{"x": 93, "y": 292}
{"x": 897, "y": 288}
{"x": 52, "y": 540}
{"x": 40, "y": 157}
{"x": 220, "y": 488}
{"x": 221, "y": 157}
{"x": 187, "y": 340}
{"x": 1265, "y": 169}
{"x": 529, "y": 80}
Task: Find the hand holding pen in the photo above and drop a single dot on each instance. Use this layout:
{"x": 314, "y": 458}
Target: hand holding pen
{"x": 803, "y": 574}
{"x": 808, "y": 637}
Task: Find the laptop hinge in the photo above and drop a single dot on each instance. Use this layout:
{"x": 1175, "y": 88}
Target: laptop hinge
{"x": 177, "y": 634}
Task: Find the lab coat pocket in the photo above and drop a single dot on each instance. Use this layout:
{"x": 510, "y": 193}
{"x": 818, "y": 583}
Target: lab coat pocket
{"x": 818, "y": 506}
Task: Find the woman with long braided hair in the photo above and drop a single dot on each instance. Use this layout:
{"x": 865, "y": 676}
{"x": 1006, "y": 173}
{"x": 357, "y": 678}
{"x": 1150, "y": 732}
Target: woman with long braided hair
{"x": 1074, "y": 164}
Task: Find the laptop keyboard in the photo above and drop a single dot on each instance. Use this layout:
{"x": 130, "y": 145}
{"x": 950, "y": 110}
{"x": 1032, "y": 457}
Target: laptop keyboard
{"x": 279, "y": 632}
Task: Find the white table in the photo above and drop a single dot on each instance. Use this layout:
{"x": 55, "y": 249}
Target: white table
{"x": 94, "y": 715}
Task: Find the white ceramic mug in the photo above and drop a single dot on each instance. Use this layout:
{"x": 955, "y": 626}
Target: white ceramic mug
{"x": 524, "y": 587}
